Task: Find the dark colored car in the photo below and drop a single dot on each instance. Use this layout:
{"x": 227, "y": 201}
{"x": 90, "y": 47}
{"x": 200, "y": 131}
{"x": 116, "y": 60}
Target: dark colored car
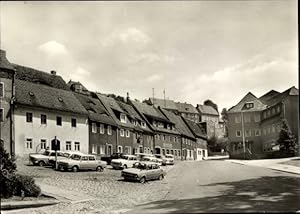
{"x": 113, "y": 156}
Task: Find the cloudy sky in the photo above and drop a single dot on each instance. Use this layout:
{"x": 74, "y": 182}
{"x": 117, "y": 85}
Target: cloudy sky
{"x": 194, "y": 50}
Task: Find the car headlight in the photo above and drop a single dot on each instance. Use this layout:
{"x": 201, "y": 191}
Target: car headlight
{"x": 136, "y": 176}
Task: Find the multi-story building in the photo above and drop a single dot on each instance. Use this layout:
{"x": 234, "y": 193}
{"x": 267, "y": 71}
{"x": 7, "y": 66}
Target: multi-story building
{"x": 167, "y": 138}
{"x": 47, "y": 114}
{"x": 201, "y": 139}
{"x": 210, "y": 117}
{"x": 256, "y": 122}
{"x": 7, "y": 74}
{"x": 102, "y": 128}
{"x": 188, "y": 140}
{"x": 279, "y": 106}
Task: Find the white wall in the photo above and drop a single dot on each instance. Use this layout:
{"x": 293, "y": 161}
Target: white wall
{"x": 38, "y": 131}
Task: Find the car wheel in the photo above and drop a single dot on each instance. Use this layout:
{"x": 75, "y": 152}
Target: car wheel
{"x": 99, "y": 168}
{"x": 160, "y": 177}
{"x": 125, "y": 166}
{"x": 142, "y": 180}
{"x": 42, "y": 163}
{"x": 75, "y": 169}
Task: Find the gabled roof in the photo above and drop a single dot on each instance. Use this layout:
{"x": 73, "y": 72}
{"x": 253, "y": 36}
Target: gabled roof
{"x": 71, "y": 85}
{"x": 179, "y": 123}
{"x": 186, "y": 108}
{"x": 96, "y": 111}
{"x": 4, "y": 63}
{"x": 42, "y": 96}
{"x": 293, "y": 91}
{"x": 112, "y": 105}
{"x": 206, "y": 109}
{"x": 258, "y": 105}
{"x": 195, "y": 128}
{"x": 40, "y": 77}
{"x": 163, "y": 103}
{"x": 268, "y": 96}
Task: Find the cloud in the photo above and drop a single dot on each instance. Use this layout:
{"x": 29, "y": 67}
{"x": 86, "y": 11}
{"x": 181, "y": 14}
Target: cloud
{"x": 154, "y": 78}
{"x": 127, "y": 36}
{"x": 53, "y": 48}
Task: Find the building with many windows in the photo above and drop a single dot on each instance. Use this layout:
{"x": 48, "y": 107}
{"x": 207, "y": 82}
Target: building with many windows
{"x": 7, "y": 73}
{"x": 46, "y": 109}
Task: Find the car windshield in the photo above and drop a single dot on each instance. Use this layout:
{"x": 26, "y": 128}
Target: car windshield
{"x": 169, "y": 156}
{"x": 66, "y": 155}
{"x": 140, "y": 165}
{"x": 124, "y": 157}
{"x": 75, "y": 157}
{"x": 46, "y": 153}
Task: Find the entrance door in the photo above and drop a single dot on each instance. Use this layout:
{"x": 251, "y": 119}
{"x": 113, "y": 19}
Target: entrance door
{"x": 157, "y": 150}
{"x": 55, "y": 145}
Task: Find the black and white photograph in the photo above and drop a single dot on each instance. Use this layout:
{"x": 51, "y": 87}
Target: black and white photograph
{"x": 149, "y": 107}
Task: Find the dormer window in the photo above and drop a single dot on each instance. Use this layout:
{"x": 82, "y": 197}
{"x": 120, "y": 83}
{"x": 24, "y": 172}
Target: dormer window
{"x": 60, "y": 99}
{"x": 135, "y": 122}
{"x": 154, "y": 123}
{"x": 249, "y": 105}
{"x": 31, "y": 94}
{"x": 168, "y": 126}
{"x": 143, "y": 124}
{"x": 123, "y": 118}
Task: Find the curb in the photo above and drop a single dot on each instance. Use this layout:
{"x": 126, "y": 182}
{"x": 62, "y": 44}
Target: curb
{"x": 26, "y": 204}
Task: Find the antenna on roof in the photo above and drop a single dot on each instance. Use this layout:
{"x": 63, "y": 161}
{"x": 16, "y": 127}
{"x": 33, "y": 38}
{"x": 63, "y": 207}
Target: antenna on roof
{"x": 165, "y": 98}
{"x": 153, "y": 95}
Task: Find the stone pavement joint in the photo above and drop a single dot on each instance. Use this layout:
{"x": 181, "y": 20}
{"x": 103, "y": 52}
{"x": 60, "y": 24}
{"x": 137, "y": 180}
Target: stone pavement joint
{"x": 274, "y": 164}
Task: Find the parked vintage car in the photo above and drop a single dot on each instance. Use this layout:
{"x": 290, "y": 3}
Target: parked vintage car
{"x": 169, "y": 159}
{"x": 143, "y": 171}
{"x": 140, "y": 155}
{"x": 42, "y": 159}
{"x": 78, "y": 162}
{"x": 65, "y": 155}
{"x": 126, "y": 161}
{"x": 153, "y": 159}
{"x": 109, "y": 158}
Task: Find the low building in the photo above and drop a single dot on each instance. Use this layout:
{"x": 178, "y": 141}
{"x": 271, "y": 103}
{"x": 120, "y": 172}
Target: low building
{"x": 7, "y": 74}
{"x": 45, "y": 110}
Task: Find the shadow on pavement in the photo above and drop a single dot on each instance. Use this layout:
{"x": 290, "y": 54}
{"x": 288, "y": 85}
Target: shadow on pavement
{"x": 265, "y": 194}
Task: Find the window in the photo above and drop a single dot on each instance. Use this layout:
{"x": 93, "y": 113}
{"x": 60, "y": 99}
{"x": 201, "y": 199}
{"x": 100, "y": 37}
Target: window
{"x": 247, "y": 118}
{"x": 58, "y": 121}
{"x": 273, "y": 128}
{"x": 92, "y": 158}
{"x": 273, "y": 111}
{"x": 1, "y": 114}
{"x": 43, "y": 119}
{"x": 168, "y": 126}
{"x": 28, "y": 117}
{"x": 248, "y": 133}
{"x": 127, "y": 150}
{"x": 170, "y": 138}
{"x": 268, "y": 112}
{"x": 265, "y": 131}
{"x": 179, "y": 153}
{"x": 257, "y": 117}
{"x": 123, "y": 118}
{"x": 249, "y": 105}
{"x": 1, "y": 89}
{"x": 77, "y": 146}
{"x": 43, "y": 144}
{"x": 101, "y": 149}
{"x": 278, "y": 109}
{"x": 28, "y": 143}
{"x": 238, "y": 133}
{"x": 94, "y": 128}
{"x": 122, "y": 132}
{"x": 269, "y": 129}
{"x": 94, "y": 149}
{"x": 264, "y": 114}
{"x": 73, "y": 122}
{"x": 127, "y": 133}
{"x": 68, "y": 146}
{"x": 237, "y": 119}
{"x": 109, "y": 130}
{"x": 278, "y": 128}
{"x": 143, "y": 124}
{"x": 101, "y": 129}
{"x": 257, "y": 132}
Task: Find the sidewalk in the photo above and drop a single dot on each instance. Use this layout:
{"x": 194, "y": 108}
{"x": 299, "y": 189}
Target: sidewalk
{"x": 275, "y": 164}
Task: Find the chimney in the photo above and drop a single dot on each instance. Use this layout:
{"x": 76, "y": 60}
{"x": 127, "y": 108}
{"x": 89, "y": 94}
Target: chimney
{"x": 4, "y": 63}
{"x": 53, "y": 72}
{"x": 127, "y": 98}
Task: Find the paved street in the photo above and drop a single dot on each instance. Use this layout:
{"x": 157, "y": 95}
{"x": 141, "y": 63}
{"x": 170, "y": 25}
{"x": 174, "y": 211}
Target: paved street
{"x": 207, "y": 186}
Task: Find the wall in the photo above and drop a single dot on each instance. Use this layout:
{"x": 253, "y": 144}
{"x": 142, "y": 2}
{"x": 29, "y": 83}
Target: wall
{"x": 6, "y": 78}
{"x": 36, "y": 131}
{"x": 292, "y": 114}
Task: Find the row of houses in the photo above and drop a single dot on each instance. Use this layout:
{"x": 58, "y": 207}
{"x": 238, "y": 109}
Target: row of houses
{"x": 39, "y": 110}
{"x": 256, "y": 123}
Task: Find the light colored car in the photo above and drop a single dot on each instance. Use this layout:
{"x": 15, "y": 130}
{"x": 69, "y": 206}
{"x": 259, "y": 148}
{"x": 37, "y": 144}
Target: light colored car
{"x": 153, "y": 159}
{"x": 126, "y": 161}
{"x": 42, "y": 159}
{"x": 63, "y": 156}
{"x": 143, "y": 171}
{"x": 140, "y": 155}
{"x": 78, "y": 162}
{"x": 169, "y": 159}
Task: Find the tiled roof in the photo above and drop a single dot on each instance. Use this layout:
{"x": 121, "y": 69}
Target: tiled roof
{"x": 167, "y": 104}
{"x": 268, "y": 96}
{"x": 205, "y": 109}
{"x": 111, "y": 105}
{"x": 37, "y": 95}
{"x": 71, "y": 84}
{"x": 186, "y": 108}
{"x": 258, "y": 105}
{"x": 96, "y": 111}
{"x": 280, "y": 96}
{"x": 179, "y": 123}
{"x": 40, "y": 77}
{"x": 195, "y": 128}
{"x": 4, "y": 63}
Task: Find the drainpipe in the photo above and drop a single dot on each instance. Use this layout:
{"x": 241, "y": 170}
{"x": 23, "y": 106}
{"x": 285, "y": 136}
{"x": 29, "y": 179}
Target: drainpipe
{"x": 117, "y": 142}
{"x": 12, "y": 104}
